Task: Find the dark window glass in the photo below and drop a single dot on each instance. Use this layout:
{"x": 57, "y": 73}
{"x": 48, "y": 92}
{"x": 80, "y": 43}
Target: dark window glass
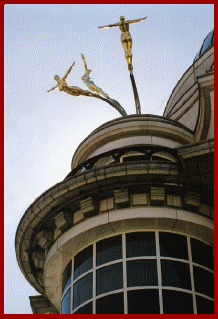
{"x": 109, "y": 278}
{"x": 173, "y": 245}
{"x": 109, "y": 249}
{"x": 112, "y": 304}
{"x": 87, "y": 309}
{"x": 177, "y": 302}
{"x": 202, "y": 253}
{"x": 82, "y": 290}
{"x": 204, "y": 281}
{"x": 204, "y": 305}
{"x": 140, "y": 244}
{"x": 65, "y": 304}
{"x": 207, "y": 42}
{"x": 175, "y": 274}
{"x": 142, "y": 273}
{"x": 83, "y": 261}
{"x": 136, "y": 158}
{"x": 143, "y": 301}
{"x": 66, "y": 281}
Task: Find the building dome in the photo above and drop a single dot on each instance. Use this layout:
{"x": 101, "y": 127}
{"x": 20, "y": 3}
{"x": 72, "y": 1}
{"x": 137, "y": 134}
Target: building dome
{"x": 207, "y": 43}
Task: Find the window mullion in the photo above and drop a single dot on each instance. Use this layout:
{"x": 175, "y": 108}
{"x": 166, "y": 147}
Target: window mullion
{"x": 72, "y": 276}
{"x": 192, "y": 275}
{"x": 159, "y": 272}
{"x": 94, "y": 279}
{"x": 124, "y": 274}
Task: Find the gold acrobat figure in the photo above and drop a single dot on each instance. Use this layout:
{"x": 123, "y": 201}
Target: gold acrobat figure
{"x": 63, "y": 86}
{"x": 87, "y": 80}
{"x": 126, "y": 39}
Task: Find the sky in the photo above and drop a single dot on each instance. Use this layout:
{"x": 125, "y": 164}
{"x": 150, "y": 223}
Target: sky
{"x": 42, "y": 130}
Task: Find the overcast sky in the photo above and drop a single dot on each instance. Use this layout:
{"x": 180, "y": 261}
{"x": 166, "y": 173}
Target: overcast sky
{"x": 43, "y": 130}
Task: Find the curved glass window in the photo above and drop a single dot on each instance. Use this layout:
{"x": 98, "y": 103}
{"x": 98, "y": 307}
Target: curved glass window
{"x": 142, "y": 273}
{"x": 140, "y": 244}
{"x": 173, "y": 245}
{"x": 143, "y": 301}
{"x": 204, "y": 281}
{"x": 65, "y": 304}
{"x": 82, "y": 290}
{"x": 112, "y": 304}
{"x": 109, "y": 249}
{"x": 175, "y": 274}
{"x": 83, "y": 261}
{"x": 109, "y": 278}
{"x": 66, "y": 281}
{"x": 177, "y": 302}
{"x": 207, "y": 42}
{"x": 204, "y": 305}
{"x": 202, "y": 253}
{"x": 87, "y": 309}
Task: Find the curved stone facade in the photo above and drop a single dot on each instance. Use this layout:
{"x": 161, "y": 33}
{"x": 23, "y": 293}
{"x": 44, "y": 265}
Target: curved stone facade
{"x": 192, "y": 100}
{"x": 139, "y": 173}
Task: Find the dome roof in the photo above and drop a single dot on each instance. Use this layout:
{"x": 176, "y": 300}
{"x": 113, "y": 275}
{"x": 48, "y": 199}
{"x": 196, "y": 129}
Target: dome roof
{"x": 208, "y": 42}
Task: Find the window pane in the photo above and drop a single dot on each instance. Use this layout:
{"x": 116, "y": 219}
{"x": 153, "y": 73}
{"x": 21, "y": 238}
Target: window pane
{"x": 83, "y": 261}
{"x": 82, "y": 290}
{"x": 207, "y": 42}
{"x": 66, "y": 281}
{"x": 140, "y": 244}
{"x": 202, "y": 253}
{"x": 204, "y": 281}
{"x": 109, "y": 278}
{"x": 112, "y": 304}
{"x": 173, "y": 245}
{"x": 143, "y": 301}
{"x": 177, "y": 302}
{"x": 109, "y": 249}
{"x": 204, "y": 305}
{"x": 175, "y": 274}
{"x": 87, "y": 309}
{"x": 142, "y": 273}
{"x": 65, "y": 304}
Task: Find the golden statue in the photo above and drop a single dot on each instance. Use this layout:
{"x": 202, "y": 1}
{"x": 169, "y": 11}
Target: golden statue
{"x": 126, "y": 39}
{"x": 87, "y": 80}
{"x": 76, "y": 91}
{"x": 63, "y": 86}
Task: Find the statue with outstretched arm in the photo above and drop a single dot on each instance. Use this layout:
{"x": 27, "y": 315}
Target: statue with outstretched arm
{"x": 87, "y": 80}
{"x": 63, "y": 86}
{"x": 126, "y": 39}
{"x": 76, "y": 91}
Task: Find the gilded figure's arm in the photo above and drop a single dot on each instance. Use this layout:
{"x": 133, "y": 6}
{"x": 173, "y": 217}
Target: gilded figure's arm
{"x": 109, "y": 26}
{"x": 52, "y": 89}
{"x": 84, "y": 61}
{"x": 136, "y": 20}
{"x": 68, "y": 71}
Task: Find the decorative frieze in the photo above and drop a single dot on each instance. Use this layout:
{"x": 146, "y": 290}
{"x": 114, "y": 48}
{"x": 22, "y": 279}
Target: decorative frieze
{"x": 157, "y": 195}
{"x": 174, "y": 201}
{"x": 39, "y": 258}
{"x": 63, "y": 221}
{"x": 44, "y": 239}
{"x": 192, "y": 200}
{"x": 205, "y": 209}
{"x": 87, "y": 205}
{"x": 121, "y": 196}
{"x": 140, "y": 199}
{"x": 106, "y": 204}
{"x": 78, "y": 216}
